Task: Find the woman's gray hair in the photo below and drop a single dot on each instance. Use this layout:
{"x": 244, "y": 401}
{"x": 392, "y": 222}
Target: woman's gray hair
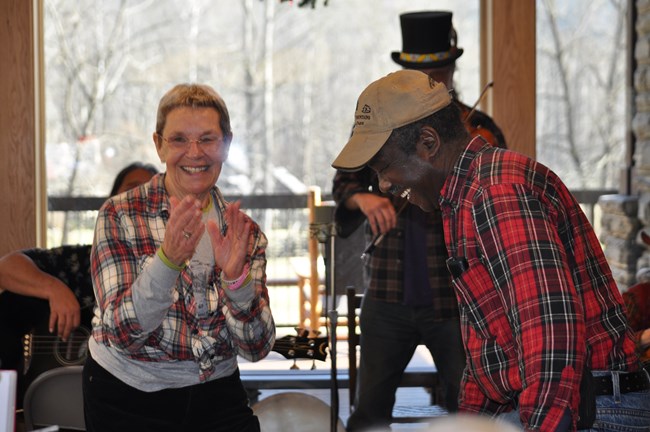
{"x": 193, "y": 96}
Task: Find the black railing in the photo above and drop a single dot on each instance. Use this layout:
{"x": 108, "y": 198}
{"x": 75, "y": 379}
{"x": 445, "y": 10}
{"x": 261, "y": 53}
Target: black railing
{"x": 587, "y": 198}
{"x": 262, "y": 202}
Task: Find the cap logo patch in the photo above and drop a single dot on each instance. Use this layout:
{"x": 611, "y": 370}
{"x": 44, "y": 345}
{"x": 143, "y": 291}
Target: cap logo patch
{"x": 364, "y": 115}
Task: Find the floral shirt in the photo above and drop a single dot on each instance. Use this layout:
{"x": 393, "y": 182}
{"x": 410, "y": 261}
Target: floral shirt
{"x": 537, "y": 298}
{"x": 167, "y": 327}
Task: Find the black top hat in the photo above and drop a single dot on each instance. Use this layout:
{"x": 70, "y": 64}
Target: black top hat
{"x": 428, "y": 40}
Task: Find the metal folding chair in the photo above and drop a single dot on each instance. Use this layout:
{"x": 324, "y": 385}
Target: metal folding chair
{"x": 55, "y": 398}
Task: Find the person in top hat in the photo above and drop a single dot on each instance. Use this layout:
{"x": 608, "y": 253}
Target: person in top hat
{"x": 429, "y": 44}
{"x": 544, "y": 327}
{"x": 428, "y": 41}
{"x": 408, "y": 298}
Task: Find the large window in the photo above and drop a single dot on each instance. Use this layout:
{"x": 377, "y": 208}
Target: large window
{"x": 290, "y": 76}
{"x": 581, "y": 90}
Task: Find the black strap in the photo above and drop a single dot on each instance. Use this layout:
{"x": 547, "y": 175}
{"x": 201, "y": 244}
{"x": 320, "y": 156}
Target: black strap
{"x": 587, "y": 407}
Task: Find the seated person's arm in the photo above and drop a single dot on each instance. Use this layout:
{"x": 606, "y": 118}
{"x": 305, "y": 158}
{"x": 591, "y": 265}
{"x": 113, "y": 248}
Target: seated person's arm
{"x": 19, "y": 274}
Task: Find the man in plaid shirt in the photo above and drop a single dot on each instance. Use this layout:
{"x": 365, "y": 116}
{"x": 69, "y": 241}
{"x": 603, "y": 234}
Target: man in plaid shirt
{"x": 543, "y": 322}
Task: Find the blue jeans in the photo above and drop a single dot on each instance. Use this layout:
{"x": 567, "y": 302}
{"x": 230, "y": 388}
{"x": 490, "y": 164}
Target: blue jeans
{"x": 390, "y": 333}
{"x": 620, "y": 412}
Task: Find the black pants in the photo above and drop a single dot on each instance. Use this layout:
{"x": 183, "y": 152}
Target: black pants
{"x": 111, "y": 405}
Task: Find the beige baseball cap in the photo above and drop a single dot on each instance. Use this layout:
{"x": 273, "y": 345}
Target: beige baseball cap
{"x": 398, "y": 99}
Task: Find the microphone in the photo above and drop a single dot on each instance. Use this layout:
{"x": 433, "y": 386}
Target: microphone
{"x": 457, "y": 266}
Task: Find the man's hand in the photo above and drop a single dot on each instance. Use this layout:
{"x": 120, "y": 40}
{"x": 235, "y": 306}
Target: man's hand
{"x": 20, "y": 275}
{"x": 65, "y": 313}
{"x": 379, "y": 211}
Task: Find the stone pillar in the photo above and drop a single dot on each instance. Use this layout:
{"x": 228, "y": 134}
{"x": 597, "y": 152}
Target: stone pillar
{"x": 625, "y": 217}
{"x": 619, "y": 228}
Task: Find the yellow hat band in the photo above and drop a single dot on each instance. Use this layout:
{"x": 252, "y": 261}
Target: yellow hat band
{"x": 424, "y": 58}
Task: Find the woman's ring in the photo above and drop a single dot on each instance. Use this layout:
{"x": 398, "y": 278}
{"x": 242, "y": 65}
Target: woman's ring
{"x": 187, "y": 235}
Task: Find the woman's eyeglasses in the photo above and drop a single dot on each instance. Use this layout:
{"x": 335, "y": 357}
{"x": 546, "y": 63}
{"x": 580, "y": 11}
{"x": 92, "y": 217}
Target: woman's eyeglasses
{"x": 183, "y": 142}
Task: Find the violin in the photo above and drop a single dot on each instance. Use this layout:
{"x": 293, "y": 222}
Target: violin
{"x": 480, "y": 124}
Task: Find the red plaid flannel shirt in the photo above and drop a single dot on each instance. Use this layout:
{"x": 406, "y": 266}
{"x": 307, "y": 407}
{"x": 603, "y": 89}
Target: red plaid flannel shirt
{"x": 538, "y": 297}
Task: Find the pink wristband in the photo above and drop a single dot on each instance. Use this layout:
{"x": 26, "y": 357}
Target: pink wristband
{"x": 237, "y": 283}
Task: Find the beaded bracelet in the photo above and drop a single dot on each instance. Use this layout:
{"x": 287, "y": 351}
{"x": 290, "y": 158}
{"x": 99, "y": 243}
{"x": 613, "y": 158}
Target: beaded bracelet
{"x": 237, "y": 283}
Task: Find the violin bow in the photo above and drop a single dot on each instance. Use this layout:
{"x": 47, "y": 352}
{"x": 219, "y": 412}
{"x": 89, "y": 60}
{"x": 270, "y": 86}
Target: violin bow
{"x": 485, "y": 89}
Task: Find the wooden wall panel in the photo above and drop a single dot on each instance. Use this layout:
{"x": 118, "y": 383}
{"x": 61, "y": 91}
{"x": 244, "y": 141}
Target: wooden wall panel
{"x": 17, "y": 126}
{"x": 508, "y": 59}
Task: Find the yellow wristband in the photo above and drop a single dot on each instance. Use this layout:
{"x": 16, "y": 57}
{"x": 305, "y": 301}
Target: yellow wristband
{"x": 168, "y": 263}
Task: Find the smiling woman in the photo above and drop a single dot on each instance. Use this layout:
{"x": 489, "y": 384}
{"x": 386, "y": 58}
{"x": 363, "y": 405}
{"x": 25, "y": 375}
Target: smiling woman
{"x": 179, "y": 277}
